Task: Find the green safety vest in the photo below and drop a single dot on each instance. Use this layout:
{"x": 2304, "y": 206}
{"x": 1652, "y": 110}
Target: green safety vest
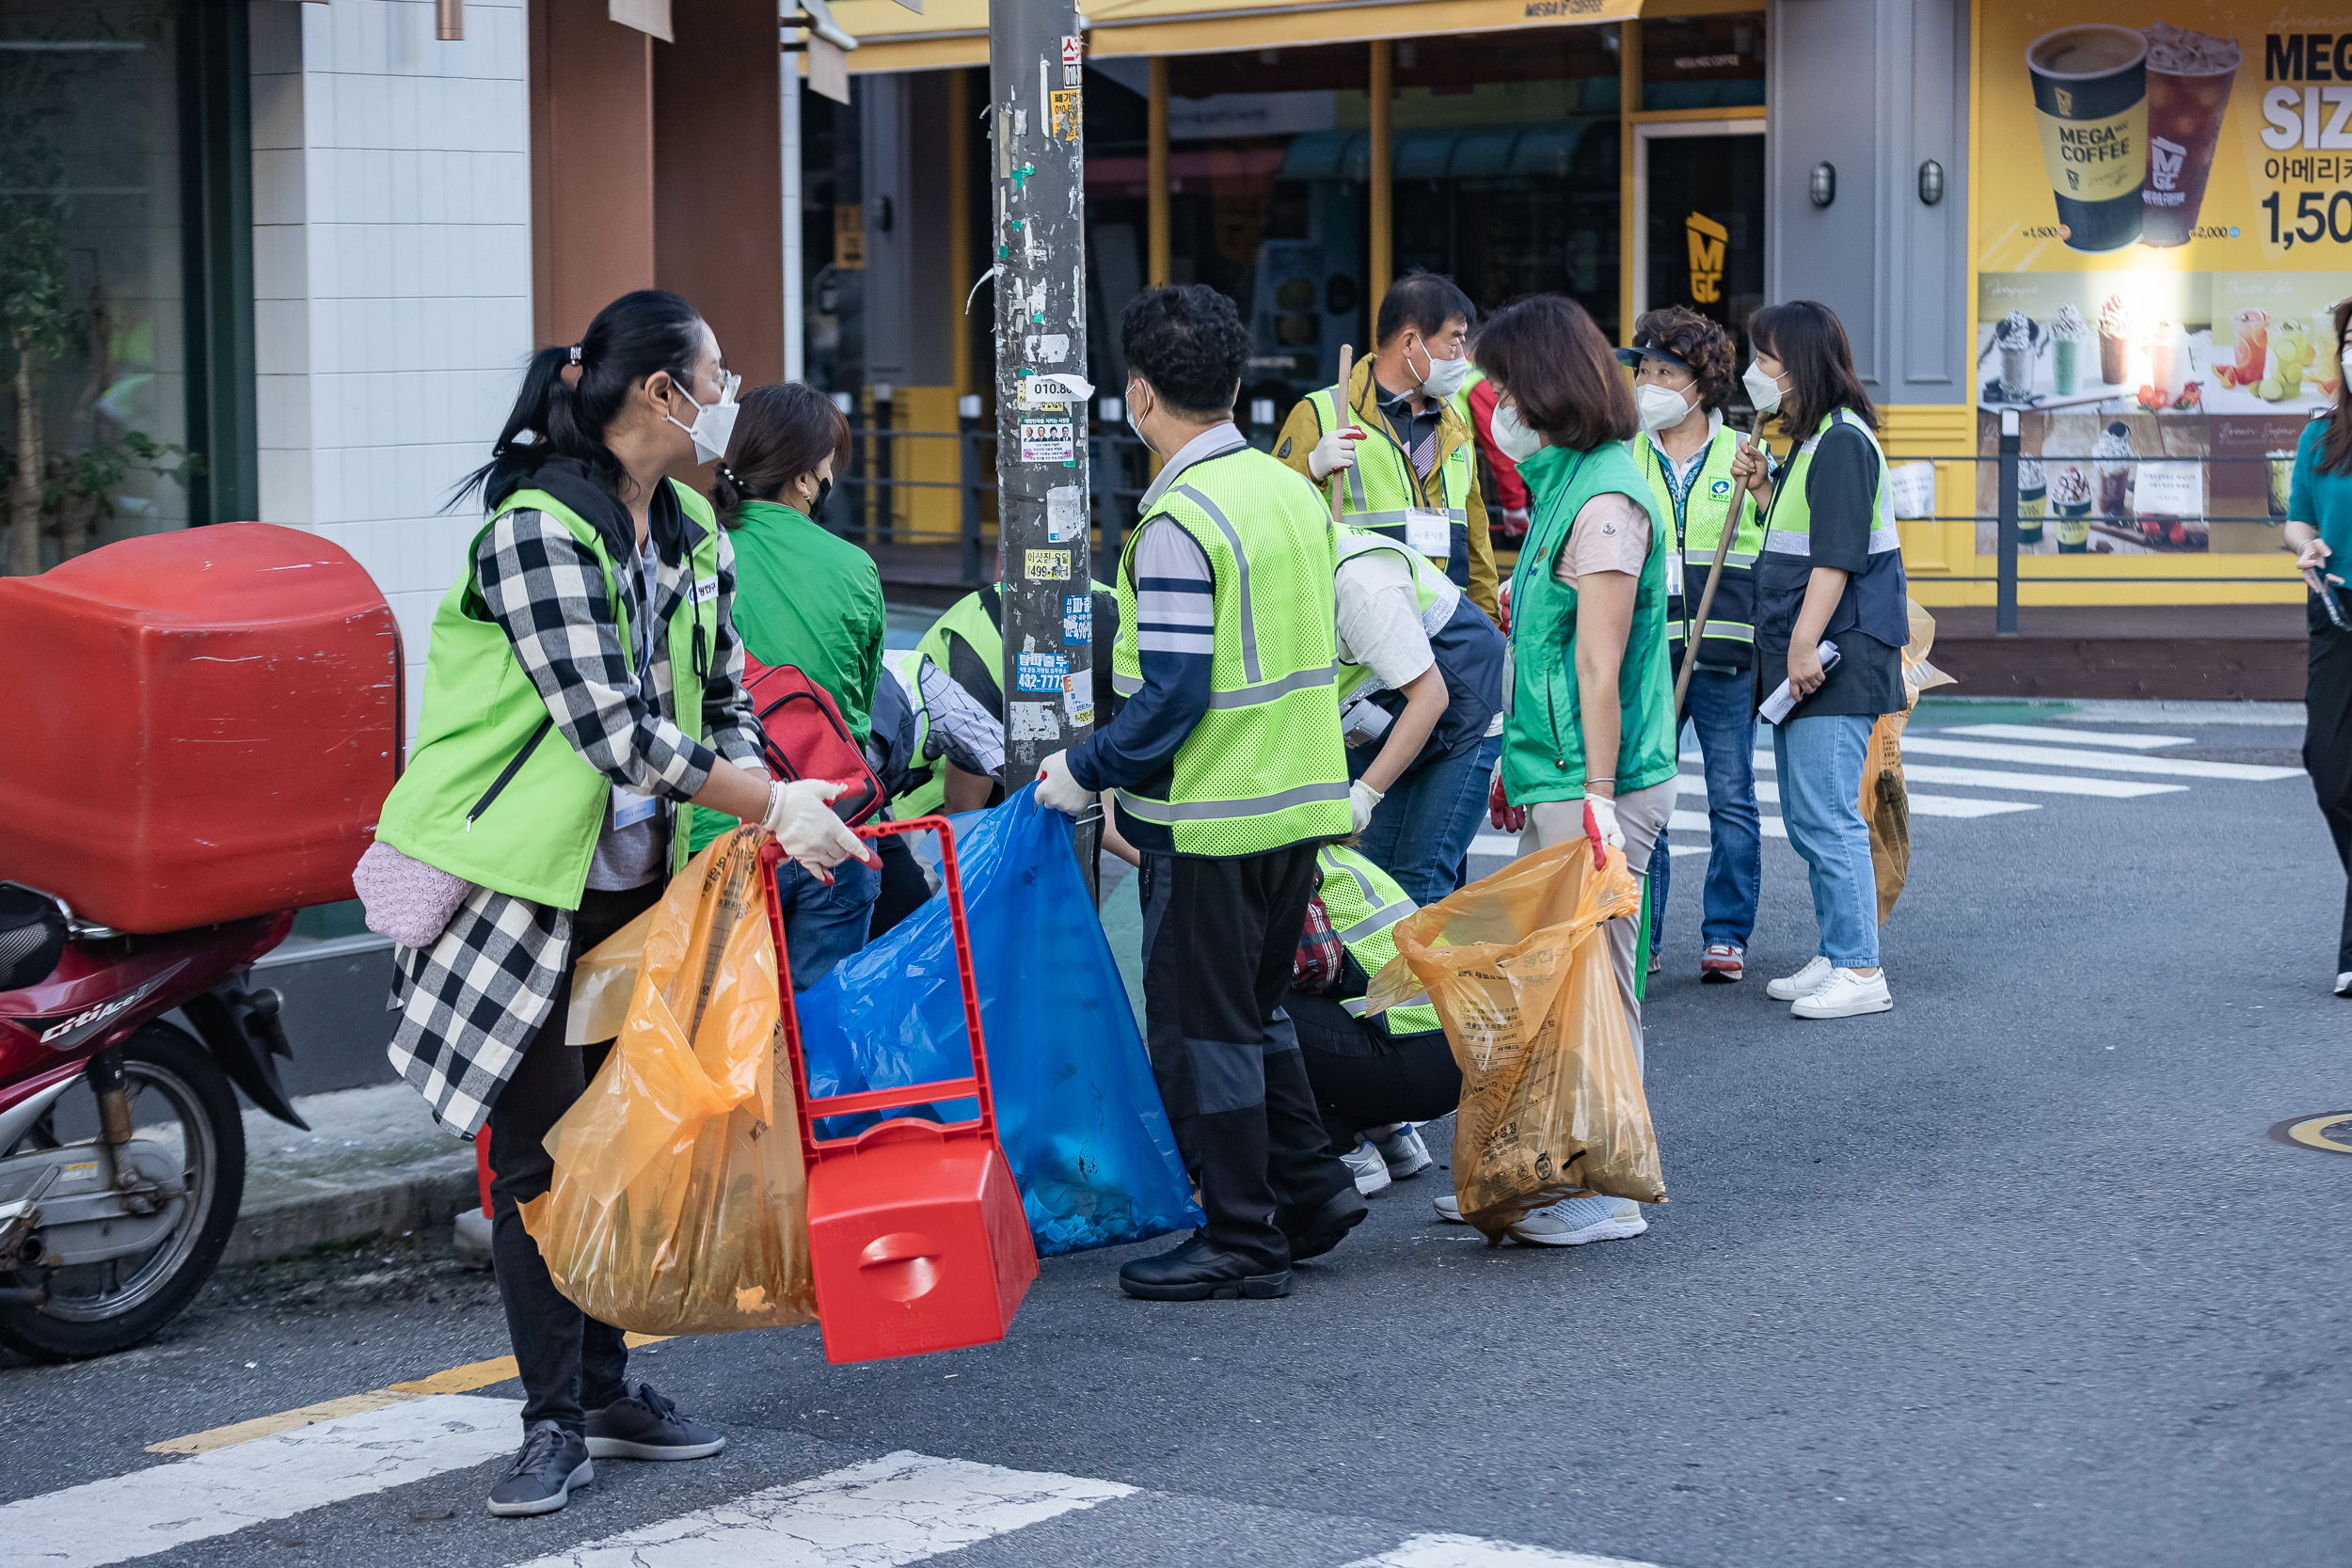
{"x": 484, "y": 796}
{"x": 1873, "y": 602}
{"x": 927, "y": 793}
{"x": 1382, "y": 491}
{"x": 1543, "y": 741}
{"x": 1365, "y": 904}
{"x": 1436, "y": 598}
{"x": 1265, "y": 766}
{"x": 1792, "y": 512}
{"x": 968, "y": 618}
{"x": 1699, "y": 520}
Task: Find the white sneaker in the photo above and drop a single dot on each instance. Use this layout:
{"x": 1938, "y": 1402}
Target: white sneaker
{"x": 1802, "y": 983}
{"x": 1371, "y": 1172}
{"x": 1449, "y": 1209}
{"x": 1406, "y": 1154}
{"x": 2344, "y": 983}
{"x": 1575, "y": 1221}
{"x": 1845, "y": 994}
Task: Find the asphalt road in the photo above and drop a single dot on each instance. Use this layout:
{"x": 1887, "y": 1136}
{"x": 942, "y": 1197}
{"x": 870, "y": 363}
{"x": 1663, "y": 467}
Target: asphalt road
{"x": 2012, "y": 1274}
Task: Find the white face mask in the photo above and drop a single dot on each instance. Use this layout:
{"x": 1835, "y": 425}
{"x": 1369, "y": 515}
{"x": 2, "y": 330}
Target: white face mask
{"x": 2346, "y": 360}
{"x": 1518, "y": 442}
{"x": 714, "y": 423}
{"x": 1660, "y": 407}
{"x": 1445, "y": 376}
{"x": 1131, "y": 420}
{"x": 1763, "y": 390}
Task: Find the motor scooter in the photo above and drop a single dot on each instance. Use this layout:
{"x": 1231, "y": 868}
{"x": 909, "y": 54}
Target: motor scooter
{"x": 122, "y": 1143}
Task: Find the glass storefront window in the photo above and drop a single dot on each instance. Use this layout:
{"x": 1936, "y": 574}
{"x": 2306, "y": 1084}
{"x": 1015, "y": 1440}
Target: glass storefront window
{"x": 95, "y": 447}
{"x": 1702, "y": 189}
{"x": 1703, "y": 62}
{"x": 1505, "y": 163}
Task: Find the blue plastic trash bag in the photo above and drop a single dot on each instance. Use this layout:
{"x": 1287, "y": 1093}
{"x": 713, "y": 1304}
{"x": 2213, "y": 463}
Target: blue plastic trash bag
{"x": 1076, "y": 1105}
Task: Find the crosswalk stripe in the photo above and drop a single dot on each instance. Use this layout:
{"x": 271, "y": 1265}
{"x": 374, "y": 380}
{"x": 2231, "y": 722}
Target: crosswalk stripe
{"x": 1695, "y": 822}
{"x": 229, "y": 1489}
{"x": 2045, "y": 783}
{"x": 1921, "y": 805}
{"x": 2071, "y": 737}
{"x": 901, "y": 1507}
{"x": 1468, "y": 1551}
{"x": 2113, "y": 762}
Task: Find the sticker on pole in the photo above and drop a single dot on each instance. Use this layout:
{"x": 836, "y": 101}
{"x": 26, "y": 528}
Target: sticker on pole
{"x": 1054, "y": 389}
{"x": 1073, "y": 55}
{"x": 1065, "y": 514}
{"x": 1041, "y": 671}
{"x": 1077, "y": 619}
{"x": 1065, "y": 113}
{"x": 1034, "y": 722}
{"x": 1048, "y": 442}
{"x": 1077, "y": 700}
{"x": 1046, "y": 565}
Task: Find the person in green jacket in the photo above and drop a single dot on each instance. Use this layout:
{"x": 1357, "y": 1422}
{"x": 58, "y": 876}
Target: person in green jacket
{"x": 1589, "y": 745}
{"x": 806, "y": 597}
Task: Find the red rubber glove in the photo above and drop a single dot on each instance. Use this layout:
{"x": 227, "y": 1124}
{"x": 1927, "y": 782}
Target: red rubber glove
{"x": 1593, "y": 830}
{"x": 1500, "y": 812}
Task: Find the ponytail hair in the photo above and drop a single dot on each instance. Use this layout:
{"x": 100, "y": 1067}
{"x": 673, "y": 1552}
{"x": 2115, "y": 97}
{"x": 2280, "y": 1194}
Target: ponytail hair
{"x": 636, "y": 336}
{"x": 785, "y": 431}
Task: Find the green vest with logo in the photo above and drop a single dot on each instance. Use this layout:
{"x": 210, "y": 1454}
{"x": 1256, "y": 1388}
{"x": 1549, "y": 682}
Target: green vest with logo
{"x": 1543, "y": 741}
{"x": 1264, "y": 767}
{"x": 1699, "y": 523}
{"x": 1383, "y": 493}
{"x": 488, "y": 794}
{"x": 1365, "y": 904}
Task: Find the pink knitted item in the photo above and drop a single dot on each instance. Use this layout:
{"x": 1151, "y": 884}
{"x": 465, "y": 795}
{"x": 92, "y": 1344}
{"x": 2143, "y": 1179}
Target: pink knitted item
{"x": 404, "y": 898}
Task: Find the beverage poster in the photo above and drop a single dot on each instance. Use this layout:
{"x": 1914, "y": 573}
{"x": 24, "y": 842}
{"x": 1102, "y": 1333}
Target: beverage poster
{"x": 2164, "y": 231}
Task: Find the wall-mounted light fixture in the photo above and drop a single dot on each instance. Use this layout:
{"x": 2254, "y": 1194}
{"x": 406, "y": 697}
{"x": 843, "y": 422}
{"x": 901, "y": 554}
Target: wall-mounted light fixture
{"x": 449, "y": 21}
{"x": 1821, "y": 184}
{"x": 1930, "y": 181}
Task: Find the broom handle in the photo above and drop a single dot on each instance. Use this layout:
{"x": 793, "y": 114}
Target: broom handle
{"x": 1706, "y": 600}
{"x": 1347, "y": 415}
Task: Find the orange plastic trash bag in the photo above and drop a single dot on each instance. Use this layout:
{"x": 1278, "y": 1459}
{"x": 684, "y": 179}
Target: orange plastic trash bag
{"x": 1886, "y": 801}
{"x": 681, "y": 1203}
{"x": 1551, "y": 1089}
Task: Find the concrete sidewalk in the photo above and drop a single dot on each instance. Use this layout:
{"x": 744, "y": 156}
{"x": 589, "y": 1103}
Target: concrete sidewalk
{"x": 372, "y": 1163}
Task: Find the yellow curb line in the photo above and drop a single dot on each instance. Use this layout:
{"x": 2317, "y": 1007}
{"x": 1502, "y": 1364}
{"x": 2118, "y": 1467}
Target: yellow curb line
{"x": 457, "y": 1380}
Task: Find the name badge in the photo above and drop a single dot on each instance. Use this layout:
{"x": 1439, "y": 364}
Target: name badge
{"x": 704, "y": 591}
{"x": 628, "y": 810}
{"x": 1429, "y": 534}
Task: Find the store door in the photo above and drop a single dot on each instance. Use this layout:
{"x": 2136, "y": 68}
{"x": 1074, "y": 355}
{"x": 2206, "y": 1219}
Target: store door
{"x": 1698, "y": 219}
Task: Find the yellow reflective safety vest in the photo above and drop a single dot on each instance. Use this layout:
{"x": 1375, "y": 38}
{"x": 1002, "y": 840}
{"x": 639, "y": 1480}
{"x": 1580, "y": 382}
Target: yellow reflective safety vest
{"x": 1699, "y": 518}
{"x": 1365, "y": 904}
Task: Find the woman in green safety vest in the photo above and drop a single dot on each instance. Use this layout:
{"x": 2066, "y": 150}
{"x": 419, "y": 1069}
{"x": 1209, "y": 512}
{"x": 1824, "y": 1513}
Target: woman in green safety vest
{"x": 584, "y": 680}
{"x": 806, "y": 597}
{"x": 1684, "y": 369}
{"x": 1829, "y": 618}
{"x": 1588, "y": 747}
{"x": 1373, "y": 1077}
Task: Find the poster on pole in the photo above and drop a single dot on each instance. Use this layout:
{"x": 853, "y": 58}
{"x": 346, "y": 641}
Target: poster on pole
{"x": 2164, "y": 228}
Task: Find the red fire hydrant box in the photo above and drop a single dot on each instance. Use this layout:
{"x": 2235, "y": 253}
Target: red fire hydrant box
{"x": 196, "y": 726}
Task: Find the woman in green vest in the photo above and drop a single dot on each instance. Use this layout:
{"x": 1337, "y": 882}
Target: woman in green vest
{"x": 1830, "y": 576}
{"x": 1589, "y": 745}
{"x": 806, "y": 597}
{"x": 583, "y": 681}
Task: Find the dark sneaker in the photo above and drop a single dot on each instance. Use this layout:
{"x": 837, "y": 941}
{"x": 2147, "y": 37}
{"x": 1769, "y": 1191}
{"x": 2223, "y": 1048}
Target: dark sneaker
{"x": 1312, "y": 1235}
{"x": 1200, "y": 1270}
{"x": 644, "y": 1424}
{"x": 551, "y": 1463}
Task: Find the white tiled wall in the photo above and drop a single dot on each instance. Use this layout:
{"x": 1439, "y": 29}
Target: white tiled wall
{"x": 391, "y": 261}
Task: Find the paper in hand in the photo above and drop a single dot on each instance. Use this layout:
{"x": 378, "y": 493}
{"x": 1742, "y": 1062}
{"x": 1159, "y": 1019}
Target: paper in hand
{"x": 1776, "y": 708}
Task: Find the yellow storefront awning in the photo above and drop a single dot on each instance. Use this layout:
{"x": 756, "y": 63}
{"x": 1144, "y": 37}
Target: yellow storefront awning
{"x": 955, "y": 32}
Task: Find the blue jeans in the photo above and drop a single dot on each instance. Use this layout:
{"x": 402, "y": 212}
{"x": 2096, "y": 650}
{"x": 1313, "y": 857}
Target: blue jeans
{"x": 1820, "y": 761}
{"x": 1421, "y": 833}
{"x": 1722, "y": 713}
{"x": 823, "y": 924}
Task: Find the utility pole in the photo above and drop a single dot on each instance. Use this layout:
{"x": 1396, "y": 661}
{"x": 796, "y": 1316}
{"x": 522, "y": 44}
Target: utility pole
{"x": 1036, "y": 55}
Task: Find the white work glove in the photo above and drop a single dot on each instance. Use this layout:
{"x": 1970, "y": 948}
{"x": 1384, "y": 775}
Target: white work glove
{"x": 1337, "y": 450}
{"x": 1058, "y": 789}
{"x": 1600, "y": 826}
{"x": 800, "y": 814}
{"x": 1362, "y": 798}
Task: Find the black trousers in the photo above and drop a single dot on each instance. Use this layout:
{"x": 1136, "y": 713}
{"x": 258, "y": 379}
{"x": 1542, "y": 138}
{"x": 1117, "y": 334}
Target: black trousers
{"x": 1364, "y": 1077}
{"x": 2328, "y": 748}
{"x": 570, "y": 1363}
{"x": 1218, "y": 937}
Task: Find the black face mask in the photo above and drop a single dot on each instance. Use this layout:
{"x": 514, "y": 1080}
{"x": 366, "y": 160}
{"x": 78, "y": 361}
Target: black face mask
{"x": 816, "y": 508}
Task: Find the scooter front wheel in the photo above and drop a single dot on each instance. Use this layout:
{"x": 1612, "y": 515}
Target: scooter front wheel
{"x": 186, "y": 1122}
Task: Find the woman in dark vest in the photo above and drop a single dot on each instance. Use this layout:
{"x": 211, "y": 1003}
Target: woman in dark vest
{"x": 583, "y": 681}
{"x": 1832, "y": 573}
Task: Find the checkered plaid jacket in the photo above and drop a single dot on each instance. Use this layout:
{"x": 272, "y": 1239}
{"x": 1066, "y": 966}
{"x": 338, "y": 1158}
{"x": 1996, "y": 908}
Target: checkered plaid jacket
{"x": 471, "y": 1004}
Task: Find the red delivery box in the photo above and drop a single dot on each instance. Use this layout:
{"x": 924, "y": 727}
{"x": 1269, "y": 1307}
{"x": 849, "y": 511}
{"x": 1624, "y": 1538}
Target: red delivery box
{"x": 196, "y": 726}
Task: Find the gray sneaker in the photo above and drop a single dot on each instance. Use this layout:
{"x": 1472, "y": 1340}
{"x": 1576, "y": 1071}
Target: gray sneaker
{"x": 1371, "y": 1172}
{"x": 644, "y": 1424}
{"x": 1404, "y": 1152}
{"x": 551, "y": 1463}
